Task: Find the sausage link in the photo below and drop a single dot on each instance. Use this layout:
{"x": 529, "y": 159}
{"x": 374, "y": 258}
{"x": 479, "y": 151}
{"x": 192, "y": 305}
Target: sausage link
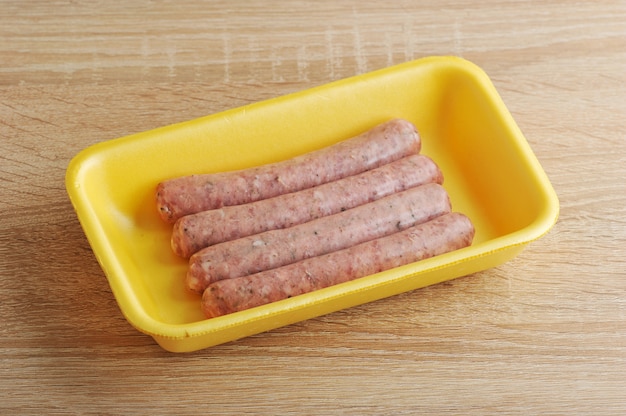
{"x": 277, "y": 248}
{"x": 440, "y": 235}
{"x": 192, "y": 233}
{"x": 383, "y": 144}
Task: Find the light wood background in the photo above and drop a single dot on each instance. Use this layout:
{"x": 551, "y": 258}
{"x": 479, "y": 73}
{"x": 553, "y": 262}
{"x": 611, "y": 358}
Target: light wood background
{"x": 542, "y": 334}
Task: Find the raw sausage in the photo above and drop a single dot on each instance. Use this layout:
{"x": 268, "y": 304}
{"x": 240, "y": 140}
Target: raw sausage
{"x": 440, "y": 235}
{"x": 382, "y": 144}
{"x": 194, "y": 232}
{"x": 277, "y": 248}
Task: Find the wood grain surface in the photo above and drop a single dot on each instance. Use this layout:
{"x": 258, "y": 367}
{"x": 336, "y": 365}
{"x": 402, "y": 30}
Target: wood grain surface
{"x": 542, "y": 334}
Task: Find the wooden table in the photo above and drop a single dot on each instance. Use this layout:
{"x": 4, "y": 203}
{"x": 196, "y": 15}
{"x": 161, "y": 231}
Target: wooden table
{"x": 542, "y": 334}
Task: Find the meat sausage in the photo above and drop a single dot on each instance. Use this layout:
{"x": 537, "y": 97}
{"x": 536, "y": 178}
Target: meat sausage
{"x": 383, "y": 144}
{"x": 440, "y": 235}
{"x": 276, "y": 248}
{"x": 194, "y": 232}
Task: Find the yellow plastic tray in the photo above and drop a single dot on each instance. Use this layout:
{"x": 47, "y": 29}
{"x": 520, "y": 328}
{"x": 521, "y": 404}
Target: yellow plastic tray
{"x": 490, "y": 173}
